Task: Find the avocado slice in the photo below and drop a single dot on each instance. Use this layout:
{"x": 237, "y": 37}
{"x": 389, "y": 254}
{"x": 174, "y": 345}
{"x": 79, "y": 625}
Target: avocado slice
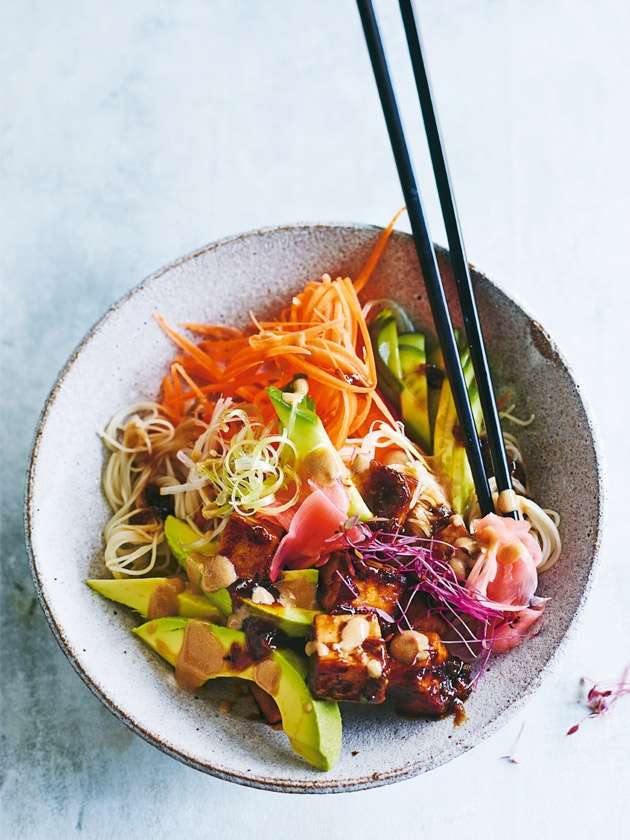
{"x": 313, "y": 726}
{"x": 136, "y": 593}
{"x": 181, "y": 538}
{"x": 294, "y": 621}
{"x": 221, "y": 599}
{"x": 307, "y": 432}
{"x": 311, "y": 575}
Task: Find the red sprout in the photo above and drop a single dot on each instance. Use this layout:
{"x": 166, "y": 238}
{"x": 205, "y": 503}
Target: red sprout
{"x": 512, "y": 754}
{"x": 603, "y": 696}
{"x": 426, "y": 560}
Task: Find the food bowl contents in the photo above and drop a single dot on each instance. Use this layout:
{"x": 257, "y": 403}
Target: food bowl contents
{"x": 296, "y": 510}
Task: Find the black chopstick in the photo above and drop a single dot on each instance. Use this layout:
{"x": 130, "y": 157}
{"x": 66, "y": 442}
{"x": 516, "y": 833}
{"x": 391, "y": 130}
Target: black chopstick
{"x": 426, "y": 256}
{"x": 507, "y": 501}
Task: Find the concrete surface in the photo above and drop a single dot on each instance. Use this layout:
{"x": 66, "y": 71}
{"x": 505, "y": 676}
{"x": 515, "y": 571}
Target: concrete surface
{"x": 133, "y": 132}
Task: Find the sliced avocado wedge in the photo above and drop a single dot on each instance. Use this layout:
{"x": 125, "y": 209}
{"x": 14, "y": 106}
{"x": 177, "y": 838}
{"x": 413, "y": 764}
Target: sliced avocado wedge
{"x": 312, "y": 575}
{"x": 181, "y": 539}
{"x": 291, "y": 620}
{"x": 221, "y": 599}
{"x": 294, "y": 620}
{"x": 313, "y": 726}
{"x": 136, "y": 593}
{"x": 307, "y": 432}
{"x": 199, "y": 606}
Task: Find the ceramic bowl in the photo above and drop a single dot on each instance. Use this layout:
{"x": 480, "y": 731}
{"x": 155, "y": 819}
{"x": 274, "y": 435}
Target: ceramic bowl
{"x": 122, "y": 360}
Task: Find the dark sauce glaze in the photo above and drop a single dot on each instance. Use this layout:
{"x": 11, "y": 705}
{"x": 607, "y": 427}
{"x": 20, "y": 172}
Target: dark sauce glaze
{"x": 435, "y": 376}
{"x": 163, "y": 506}
{"x": 241, "y": 589}
{"x": 440, "y": 517}
{"x": 261, "y": 639}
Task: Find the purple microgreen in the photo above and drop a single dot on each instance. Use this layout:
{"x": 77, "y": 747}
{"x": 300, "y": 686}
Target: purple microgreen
{"x": 473, "y": 620}
{"x": 380, "y": 613}
{"x": 348, "y": 584}
{"x": 350, "y": 523}
{"x": 512, "y": 754}
{"x": 603, "y": 696}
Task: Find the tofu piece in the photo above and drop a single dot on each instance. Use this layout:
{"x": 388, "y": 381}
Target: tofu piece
{"x": 249, "y": 546}
{"x": 432, "y": 685}
{"x": 385, "y": 491}
{"x": 348, "y": 584}
{"x": 422, "y": 618}
{"x": 349, "y": 659}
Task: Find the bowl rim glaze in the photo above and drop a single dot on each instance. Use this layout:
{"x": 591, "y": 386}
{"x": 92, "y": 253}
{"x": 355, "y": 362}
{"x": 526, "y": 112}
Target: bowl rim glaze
{"x": 316, "y": 785}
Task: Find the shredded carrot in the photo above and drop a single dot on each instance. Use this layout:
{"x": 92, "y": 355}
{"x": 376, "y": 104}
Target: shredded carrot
{"x": 200, "y": 396}
{"x": 376, "y": 254}
{"x": 204, "y": 360}
{"x": 213, "y": 330}
{"x": 322, "y": 334}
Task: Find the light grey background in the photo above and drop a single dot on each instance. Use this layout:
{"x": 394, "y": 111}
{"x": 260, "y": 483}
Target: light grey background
{"x": 133, "y": 132}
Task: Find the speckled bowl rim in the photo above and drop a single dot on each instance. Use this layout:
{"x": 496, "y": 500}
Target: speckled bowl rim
{"x": 314, "y": 786}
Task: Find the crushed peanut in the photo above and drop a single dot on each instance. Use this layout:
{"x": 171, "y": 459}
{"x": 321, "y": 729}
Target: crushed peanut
{"x": 260, "y": 595}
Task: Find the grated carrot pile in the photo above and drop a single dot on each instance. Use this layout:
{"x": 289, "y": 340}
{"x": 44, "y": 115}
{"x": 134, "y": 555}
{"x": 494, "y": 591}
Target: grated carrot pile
{"x": 322, "y": 334}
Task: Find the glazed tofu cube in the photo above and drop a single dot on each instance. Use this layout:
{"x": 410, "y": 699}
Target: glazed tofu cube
{"x": 423, "y": 678}
{"x": 249, "y": 546}
{"x": 386, "y": 492}
{"x": 348, "y": 658}
{"x": 421, "y": 617}
{"x": 348, "y": 584}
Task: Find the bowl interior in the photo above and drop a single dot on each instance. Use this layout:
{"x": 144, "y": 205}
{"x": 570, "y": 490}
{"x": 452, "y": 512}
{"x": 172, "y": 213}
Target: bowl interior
{"x": 123, "y": 360}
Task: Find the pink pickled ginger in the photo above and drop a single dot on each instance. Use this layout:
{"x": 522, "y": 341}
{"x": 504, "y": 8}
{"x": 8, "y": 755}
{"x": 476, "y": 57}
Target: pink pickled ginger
{"x": 505, "y": 571}
{"x": 511, "y": 634}
{"x": 320, "y": 516}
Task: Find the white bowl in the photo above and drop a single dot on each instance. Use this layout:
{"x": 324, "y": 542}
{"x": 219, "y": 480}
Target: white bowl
{"x": 122, "y": 360}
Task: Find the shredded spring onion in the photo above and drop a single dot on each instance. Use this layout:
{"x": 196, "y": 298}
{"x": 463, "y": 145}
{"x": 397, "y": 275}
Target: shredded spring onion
{"x": 249, "y": 467}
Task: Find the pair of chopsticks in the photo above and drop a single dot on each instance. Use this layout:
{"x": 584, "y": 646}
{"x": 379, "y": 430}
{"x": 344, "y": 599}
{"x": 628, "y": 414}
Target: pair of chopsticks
{"x": 507, "y": 501}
